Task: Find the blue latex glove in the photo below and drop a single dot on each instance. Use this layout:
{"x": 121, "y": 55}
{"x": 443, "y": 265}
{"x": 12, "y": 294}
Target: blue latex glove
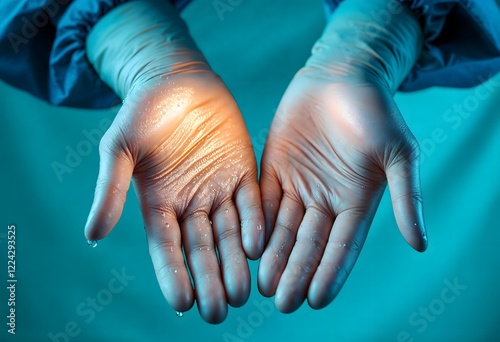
{"x": 181, "y": 137}
{"x": 335, "y": 141}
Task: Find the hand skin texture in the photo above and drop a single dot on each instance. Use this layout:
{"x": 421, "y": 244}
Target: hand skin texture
{"x": 184, "y": 142}
{"x": 336, "y": 140}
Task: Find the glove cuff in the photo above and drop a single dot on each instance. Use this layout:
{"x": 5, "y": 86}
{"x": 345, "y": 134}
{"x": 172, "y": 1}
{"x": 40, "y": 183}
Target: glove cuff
{"x": 359, "y": 41}
{"x": 141, "y": 40}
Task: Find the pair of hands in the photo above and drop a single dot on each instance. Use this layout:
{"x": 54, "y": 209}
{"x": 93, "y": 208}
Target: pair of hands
{"x": 332, "y": 146}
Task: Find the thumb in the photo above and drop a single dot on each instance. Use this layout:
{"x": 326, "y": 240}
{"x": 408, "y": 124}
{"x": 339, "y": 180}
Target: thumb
{"x": 403, "y": 178}
{"x": 115, "y": 172}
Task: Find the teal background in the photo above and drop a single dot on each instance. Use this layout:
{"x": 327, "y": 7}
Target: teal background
{"x": 256, "y": 48}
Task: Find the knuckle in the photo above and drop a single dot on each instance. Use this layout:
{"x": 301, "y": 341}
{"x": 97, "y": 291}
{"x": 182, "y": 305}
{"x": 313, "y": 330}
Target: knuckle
{"x": 414, "y": 195}
{"x": 166, "y": 269}
{"x": 285, "y": 227}
{"x": 199, "y": 216}
{"x": 164, "y": 245}
{"x": 350, "y": 245}
{"x": 313, "y": 240}
{"x": 206, "y": 275}
{"x": 104, "y": 186}
{"x": 227, "y": 234}
{"x": 303, "y": 268}
{"x": 200, "y": 247}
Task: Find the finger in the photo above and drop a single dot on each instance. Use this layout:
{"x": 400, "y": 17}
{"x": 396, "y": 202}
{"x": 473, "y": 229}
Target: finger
{"x": 344, "y": 245}
{"x": 115, "y": 172}
{"x": 306, "y": 255}
{"x": 271, "y": 194}
{"x": 235, "y": 272}
{"x": 164, "y": 242}
{"x": 275, "y": 257}
{"x": 252, "y": 218}
{"x": 404, "y": 185}
{"x": 204, "y": 266}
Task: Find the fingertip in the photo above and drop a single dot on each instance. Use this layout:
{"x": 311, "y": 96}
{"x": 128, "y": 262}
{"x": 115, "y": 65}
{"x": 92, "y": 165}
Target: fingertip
{"x": 110, "y": 194}
{"x": 213, "y": 310}
{"x": 286, "y": 302}
{"x": 175, "y": 286}
{"x": 283, "y": 305}
{"x": 265, "y": 284}
{"x": 324, "y": 288}
{"x": 320, "y": 295}
{"x": 94, "y": 232}
{"x": 237, "y": 296}
{"x": 104, "y": 215}
{"x": 251, "y": 252}
{"x": 425, "y": 243}
{"x": 317, "y": 303}
{"x": 407, "y": 203}
{"x": 183, "y": 301}
{"x": 265, "y": 289}
{"x": 249, "y": 207}
{"x": 314, "y": 303}
{"x": 269, "y": 273}
{"x": 253, "y": 235}
{"x": 421, "y": 243}
{"x": 414, "y": 232}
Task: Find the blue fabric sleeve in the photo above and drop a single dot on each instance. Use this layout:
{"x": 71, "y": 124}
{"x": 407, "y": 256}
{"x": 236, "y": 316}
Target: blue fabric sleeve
{"x": 461, "y": 42}
{"x": 42, "y": 50}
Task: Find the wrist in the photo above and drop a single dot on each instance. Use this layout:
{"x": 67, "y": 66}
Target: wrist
{"x": 355, "y": 45}
{"x": 139, "y": 41}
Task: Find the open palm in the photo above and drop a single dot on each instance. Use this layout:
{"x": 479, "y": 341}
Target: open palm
{"x": 183, "y": 140}
{"x": 333, "y": 145}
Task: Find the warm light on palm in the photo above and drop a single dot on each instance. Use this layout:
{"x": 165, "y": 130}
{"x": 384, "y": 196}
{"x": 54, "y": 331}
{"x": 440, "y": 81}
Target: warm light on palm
{"x": 185, "y": 143}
